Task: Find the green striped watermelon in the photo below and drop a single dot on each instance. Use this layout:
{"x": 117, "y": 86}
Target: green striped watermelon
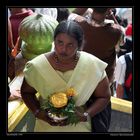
{"x": 37, "y": 32}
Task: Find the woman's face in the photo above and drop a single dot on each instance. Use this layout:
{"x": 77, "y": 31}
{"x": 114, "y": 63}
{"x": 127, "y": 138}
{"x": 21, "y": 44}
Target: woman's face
{"x": 65, "y": 46}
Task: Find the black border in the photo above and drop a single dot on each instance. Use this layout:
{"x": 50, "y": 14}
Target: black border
{"x": 110, "y": 3}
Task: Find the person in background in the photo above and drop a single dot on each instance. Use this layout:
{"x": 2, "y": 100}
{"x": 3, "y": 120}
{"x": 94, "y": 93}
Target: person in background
{"x": 128, "y": 45}
{"x": 10, "y": 37}
{"x": 128, "y": 31}
{"x": 63, "y": 68}
{"x": 125, "y": 13}
{"x": 13, "y": 94}
{"x": 17, "y": 15}
{"x": 11, "y": 73}
{"x": 123, "y": 77}
{"x": 123, "y": 68}
{"x": 102, "y": 37}
{"x": 47, "y": 11}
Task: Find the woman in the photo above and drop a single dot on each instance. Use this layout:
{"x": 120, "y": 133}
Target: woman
{"x": 61, "y": 69}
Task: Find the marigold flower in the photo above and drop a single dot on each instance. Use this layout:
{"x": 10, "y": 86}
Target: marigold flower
{"x": 70, "y": 92}
{"x": 59, "y": 99}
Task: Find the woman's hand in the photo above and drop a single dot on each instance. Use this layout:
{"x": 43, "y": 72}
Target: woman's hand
{"x": 80, "y": 115}
{"x": 42, "y": 115}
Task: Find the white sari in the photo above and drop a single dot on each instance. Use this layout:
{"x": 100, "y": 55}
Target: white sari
{"x": 88, "y": 72}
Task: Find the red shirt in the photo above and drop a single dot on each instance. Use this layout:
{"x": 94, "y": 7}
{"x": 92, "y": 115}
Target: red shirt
{"x": 128, "y": 31}
{"x": 15, "y": 22}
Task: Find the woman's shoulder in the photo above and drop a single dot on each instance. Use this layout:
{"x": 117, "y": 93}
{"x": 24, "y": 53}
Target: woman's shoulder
{"x": 92, "y": 58}
{"x": 88, "y": 55}
{"x": 91, "y": 62}
{"x": 37, "y": 59}
{"x": 47, "y": 55}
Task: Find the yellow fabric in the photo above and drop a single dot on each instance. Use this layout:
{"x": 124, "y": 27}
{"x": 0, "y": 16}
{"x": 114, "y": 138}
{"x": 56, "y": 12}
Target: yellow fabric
{"x": 65, "y": 75}
{"x": 42, "y": 126}
{"x": 88, "y": 72}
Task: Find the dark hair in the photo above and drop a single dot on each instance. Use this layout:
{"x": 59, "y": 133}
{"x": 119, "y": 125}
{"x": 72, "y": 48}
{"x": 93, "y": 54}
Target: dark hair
{"x": 100, "y": 10}
{"x": 122, "y": 21}
{"x": 114, "y": 11}
{"x": 125, "y": 22}
{"x": 71, "y": 28}
{"x": 62, "y": 14}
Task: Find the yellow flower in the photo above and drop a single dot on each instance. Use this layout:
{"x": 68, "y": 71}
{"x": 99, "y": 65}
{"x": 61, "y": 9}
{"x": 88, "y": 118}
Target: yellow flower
{"x": 59, "y": 99}
{"x": 70, "y": 92}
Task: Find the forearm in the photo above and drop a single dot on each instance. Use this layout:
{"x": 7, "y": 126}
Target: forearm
{"x": 98, "y": 105}
{"x": 119, "y": 91}
{"x": 33, "y": 104}
{"x": 31, "y": 101}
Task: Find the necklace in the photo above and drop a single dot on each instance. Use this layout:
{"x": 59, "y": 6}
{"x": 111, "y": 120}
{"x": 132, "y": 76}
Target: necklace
{"x": 75, "y": 59}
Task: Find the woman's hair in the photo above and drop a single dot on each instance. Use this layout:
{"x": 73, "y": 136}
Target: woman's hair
{"x": 71, "y": 28}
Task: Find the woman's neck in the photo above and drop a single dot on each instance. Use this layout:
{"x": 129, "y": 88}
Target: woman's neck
{"x": 65, "y": 61}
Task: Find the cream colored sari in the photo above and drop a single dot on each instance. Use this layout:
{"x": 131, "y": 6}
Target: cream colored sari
{"x": 88, "y": 72}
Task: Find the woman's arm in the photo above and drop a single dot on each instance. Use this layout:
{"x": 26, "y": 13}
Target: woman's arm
{"x": 102, "y": 94}
{"x": 31, "y": 101}
{"x": 29, "y": 97}
{"x": 100, "y": 99}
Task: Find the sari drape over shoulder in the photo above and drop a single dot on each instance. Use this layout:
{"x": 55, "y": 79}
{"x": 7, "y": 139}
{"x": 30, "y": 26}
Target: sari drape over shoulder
{"x": 88, "y": 72}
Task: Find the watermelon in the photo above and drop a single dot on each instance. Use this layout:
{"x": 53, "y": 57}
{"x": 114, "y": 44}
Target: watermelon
{"x": 37, "y": 32}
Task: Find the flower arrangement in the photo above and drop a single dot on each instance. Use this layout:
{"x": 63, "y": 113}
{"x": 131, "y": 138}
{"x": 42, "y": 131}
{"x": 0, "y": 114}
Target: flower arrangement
{"x": 61, "y": 106}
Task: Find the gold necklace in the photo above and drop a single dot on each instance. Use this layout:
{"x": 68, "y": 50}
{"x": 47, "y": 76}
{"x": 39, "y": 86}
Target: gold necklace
{"x": 58, "y": 61}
